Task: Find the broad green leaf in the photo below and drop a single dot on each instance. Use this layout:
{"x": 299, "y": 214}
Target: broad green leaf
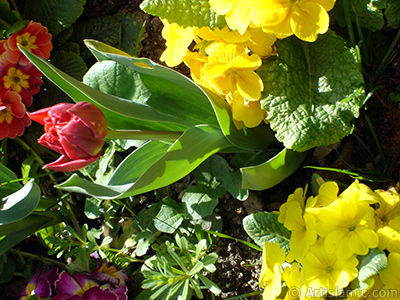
{"x": 199, "y": 202}
{"x": 194, "y": 103}
{"x": 118, "y": 111}
{"x": 8, "y": 181}
{"x": 262, "y": 227}
{"x": 392, "y": 12}
{"x": 17, "y": 231}
{"x": 273, "y": 171}
{"x": 56, "y": 15}
{"x": 20, "y": 204}
{"x": 312, "y": 91}
{"x": 170, "y": 216}
{"x": 371, "y": 264}
{"x": 118, "y": 80}
{"x": 184, "y": 13}
{"x": 165, "y": 165}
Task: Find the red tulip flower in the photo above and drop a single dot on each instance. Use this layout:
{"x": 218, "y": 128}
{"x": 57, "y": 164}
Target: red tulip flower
{"x": 13, "y": 116}
{"x": 25, "y": 80}
{"x": 76, "y": 131}
{"x": 34, "y": 38}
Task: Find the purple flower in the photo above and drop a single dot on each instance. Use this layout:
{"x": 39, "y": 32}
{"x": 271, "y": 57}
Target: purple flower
{"x": 76, "y": 285}
{"x": 106, "y": 272}
{"x": 41, "y": 284}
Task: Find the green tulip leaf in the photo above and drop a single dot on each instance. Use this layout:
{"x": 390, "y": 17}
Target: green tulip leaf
{"x": 312, "y": 91}
{"x": 184, "y": 13}
{"x": 158, "y": 165}
{"x": 273, "y": 171}
{"x": 15, "y": 232}
{"x": 8, "y": 181}
{"x": 119, "y": 112}
{"x": 190, "y": 103}
{"x": 264, "y": 227}
{"x": 20, "y": 204}
{"x": 56, "y": 15}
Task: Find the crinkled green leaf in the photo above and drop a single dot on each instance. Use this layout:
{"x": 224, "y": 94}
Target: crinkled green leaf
{"x": 371, "y": 264}
{"x": 184, "y": 12}
{"x": 118, "y": 80}
{"x": 262, "y": 227}
{"x": 70, "y": 63}
{"x": 312, "y": 91}
{"x": 392, "y": 12}
{"x": 8, "y": 17}
{"x": 56, "y": 15}
{"x": 131, "y": 30}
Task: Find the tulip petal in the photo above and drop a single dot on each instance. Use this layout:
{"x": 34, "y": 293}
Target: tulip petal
{"x": 64, "y": 164}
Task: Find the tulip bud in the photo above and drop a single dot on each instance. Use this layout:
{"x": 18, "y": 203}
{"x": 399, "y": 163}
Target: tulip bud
{"x": 76, "y": 131}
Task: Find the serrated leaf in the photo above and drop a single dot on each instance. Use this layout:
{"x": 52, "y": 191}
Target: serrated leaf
{"x": 392, "y": 12}
{"x": 312, "y": 91}
{"x": 56, "y": 15}
{"x": 185, "y": 13}
{"x": 262, "y": 227}
{"x": 70, "y": 63}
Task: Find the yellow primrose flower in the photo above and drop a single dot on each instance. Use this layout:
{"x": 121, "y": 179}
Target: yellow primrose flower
{"x": 270, "y": 278}
{"x": 391, "y": 278}
{"x": 298, "y": 196}
{"x": 294, "y": 279}
{"x": 303, "y": 231}
{"x": 386, "y": 224}
{"x": 348, "y": 225}
{"x": 325, "y": 272}
{"x": 304, "y": 18}
{"x": 231, "y": 69}
{"x": 248, "y": 113}
{"x": 178, "y": 40}
{"x": 261, "y": 42}
{"x": 237, "y": 13}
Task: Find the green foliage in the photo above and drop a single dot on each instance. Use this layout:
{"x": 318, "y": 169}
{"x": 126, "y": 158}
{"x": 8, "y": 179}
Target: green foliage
{"x": 176, "y": 270}
{"x": 312, "y": 91}
{"x": 264, "y": 227}
{"x": 8, "y": 17}
{"x": 185, "y": 13}
{"x": 392, "y": 12}
{"x": 56, "y": 15}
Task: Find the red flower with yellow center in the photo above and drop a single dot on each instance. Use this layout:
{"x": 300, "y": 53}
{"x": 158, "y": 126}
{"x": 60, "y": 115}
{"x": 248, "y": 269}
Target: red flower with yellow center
{"x": 34, "y": 38}
{"x": 24, "y": 80}
{"x": 13, "y": 118}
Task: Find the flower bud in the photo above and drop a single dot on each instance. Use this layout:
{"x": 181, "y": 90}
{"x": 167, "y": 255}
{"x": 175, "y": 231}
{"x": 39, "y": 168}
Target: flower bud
{"x": 76, "y": 131}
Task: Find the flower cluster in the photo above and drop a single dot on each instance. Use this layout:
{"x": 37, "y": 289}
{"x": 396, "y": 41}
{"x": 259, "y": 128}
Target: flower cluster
{"x": 328, "y": 233}
{"x": 225, "y": 60}
{"x": 106, "y": 282}
{"x": 19, "y": 79}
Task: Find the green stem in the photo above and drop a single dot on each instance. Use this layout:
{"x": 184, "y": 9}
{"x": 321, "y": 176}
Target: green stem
{"x": 15, "y": 6}
{"x": 348, "y": 22}
{"x": 245, "y": 295}
{"x": 387, "y": 56}
{"x": 45, "y": 260}
{"x": 143, "y": 135}
{"x": 65, "y": 202}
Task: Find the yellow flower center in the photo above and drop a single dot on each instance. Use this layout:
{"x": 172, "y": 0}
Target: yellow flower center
{"x": 27, "y": 41}
{"x": 16, "y": 80}
{"x": 352, "y": 227}
{"x": 6, "y": 114}
{"x": 329, "y": 269}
